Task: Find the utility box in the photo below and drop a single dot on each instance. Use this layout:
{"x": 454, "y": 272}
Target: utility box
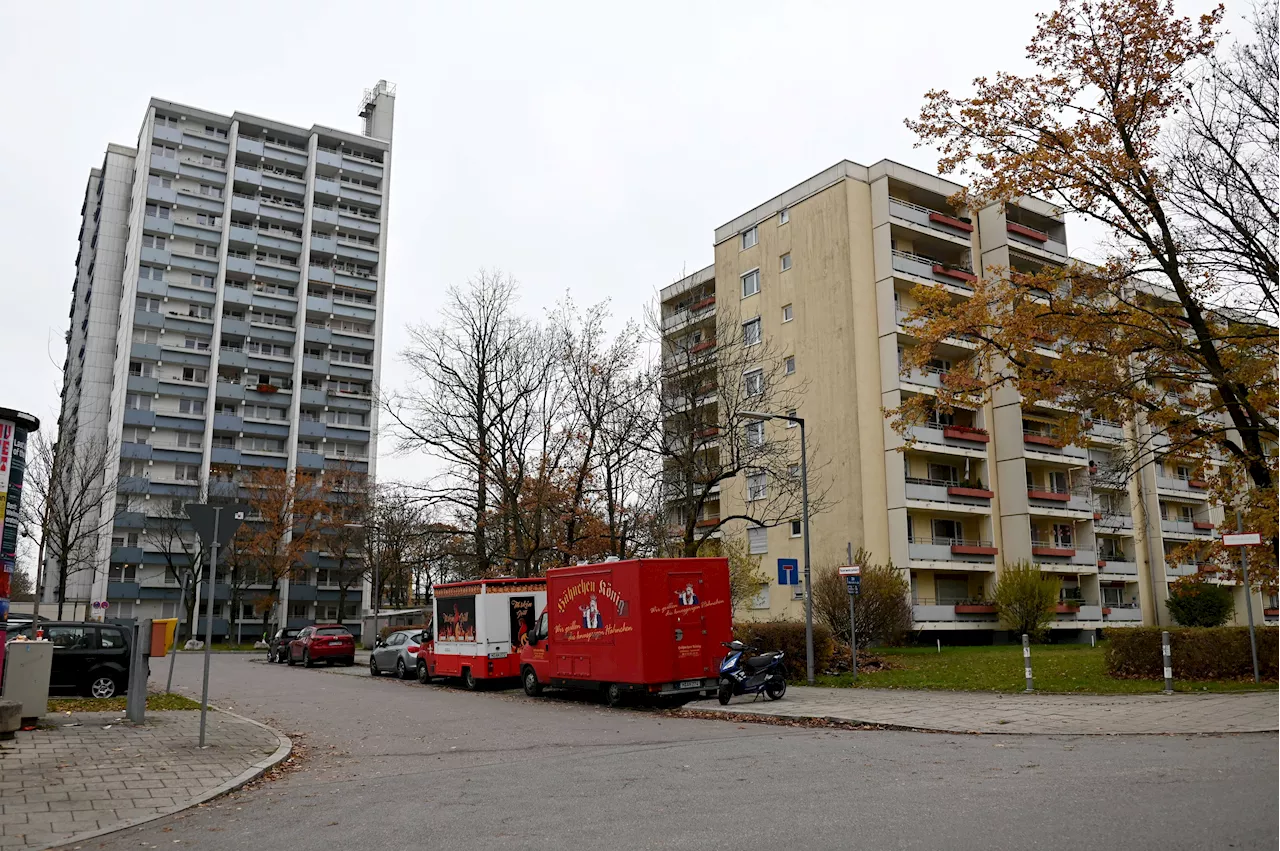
{"x": 162, "y": 632}
{"x": 26, "y": 677}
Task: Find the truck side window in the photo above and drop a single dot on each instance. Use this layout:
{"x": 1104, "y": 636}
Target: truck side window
{"x": 541, "y": 633}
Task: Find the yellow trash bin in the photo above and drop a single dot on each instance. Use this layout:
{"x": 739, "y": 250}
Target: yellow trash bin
{"x": 170, "y": 630}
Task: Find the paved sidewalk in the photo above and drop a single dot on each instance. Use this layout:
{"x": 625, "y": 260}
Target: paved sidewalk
{"x": 1067, "y": 714}
{"x": 72, "y": 782}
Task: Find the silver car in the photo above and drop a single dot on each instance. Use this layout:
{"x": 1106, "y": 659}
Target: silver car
{"x": 398, "y": 652}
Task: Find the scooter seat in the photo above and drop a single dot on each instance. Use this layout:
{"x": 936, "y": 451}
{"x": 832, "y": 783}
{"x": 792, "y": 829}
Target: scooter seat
{"x": 758, "y": 662}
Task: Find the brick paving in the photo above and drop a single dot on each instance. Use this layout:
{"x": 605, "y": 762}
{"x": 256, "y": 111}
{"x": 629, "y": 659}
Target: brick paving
{"x": 62, "y": 783}
{"x": 1067, "y": 714}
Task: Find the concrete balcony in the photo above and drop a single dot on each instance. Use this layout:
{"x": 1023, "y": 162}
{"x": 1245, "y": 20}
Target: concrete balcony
{"x": 1183, "y": 487}
{"x": 959, "y": 440}
{"x": 1119, "y": 568}
{"x": 973, "y": 554}
{"x": 1106, "y": 431}
{"x": 949, "y": 493}
{"x": 936, "y": 221}
{"x": 1057, "y": 555}
{"x": 328, "y": 216}
{"x": 1187, "y": 529}
{"x": 1023, "y": 236}
{"x": 1103, "y": 520}
{"x": 1122, "y": 614}
{"x": 953, "y": 614}
{"x": 1052, "y": 501}
{"x": 927, "y": 268}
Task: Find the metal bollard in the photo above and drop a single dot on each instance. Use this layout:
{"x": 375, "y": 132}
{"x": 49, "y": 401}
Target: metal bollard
{"x": 1168, "y": 663}
{"x": 1026, "y": 660}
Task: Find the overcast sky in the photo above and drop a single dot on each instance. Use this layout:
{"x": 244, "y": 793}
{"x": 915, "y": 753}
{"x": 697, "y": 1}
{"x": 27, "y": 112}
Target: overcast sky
{"x": 577, "y": 147}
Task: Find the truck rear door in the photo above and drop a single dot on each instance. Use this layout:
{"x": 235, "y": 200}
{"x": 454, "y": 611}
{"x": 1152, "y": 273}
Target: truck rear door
{"x": 686, "y": 588}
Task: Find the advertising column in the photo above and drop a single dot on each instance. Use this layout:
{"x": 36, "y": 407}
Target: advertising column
{"x": 14, "y": 428}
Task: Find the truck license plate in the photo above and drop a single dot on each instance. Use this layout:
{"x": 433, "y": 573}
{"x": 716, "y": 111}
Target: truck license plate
{"x": 690, "y": 683}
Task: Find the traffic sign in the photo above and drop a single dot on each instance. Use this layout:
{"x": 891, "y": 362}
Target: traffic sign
{"x": 850, "y": 570}
{"x": 853, "y": 584}
{"x": 202, "y": 519}
{"x": 1242, "y": 539}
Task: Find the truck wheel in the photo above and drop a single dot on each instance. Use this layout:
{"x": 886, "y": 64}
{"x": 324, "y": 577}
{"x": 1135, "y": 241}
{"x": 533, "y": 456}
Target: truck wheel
{"x": 614, "y": 695}
{"x": 469, "y": 681}
{"x": 423, "y": 676}
{"x": 532, "y": 687}
{"x": 725, "y": 694}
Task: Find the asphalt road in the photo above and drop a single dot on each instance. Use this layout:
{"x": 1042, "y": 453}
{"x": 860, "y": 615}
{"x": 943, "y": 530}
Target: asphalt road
{"x": 395, "y": 765}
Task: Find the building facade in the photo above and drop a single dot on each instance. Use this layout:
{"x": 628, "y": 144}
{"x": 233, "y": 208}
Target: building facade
{"x": 825, "y": 272}
{"x": 226, "y": 315}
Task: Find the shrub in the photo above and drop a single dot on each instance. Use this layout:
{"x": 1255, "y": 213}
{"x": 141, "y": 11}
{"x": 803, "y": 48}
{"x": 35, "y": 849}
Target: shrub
{"x": 788, "y": 636}
{"x": 883, "y": 608}
{"x": 1198, "y": 653}
{"x": 1026, "y": 599}
{"x": 1194, "y": 602}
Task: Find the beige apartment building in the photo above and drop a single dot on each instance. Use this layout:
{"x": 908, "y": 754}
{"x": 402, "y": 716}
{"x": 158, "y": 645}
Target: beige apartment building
{"x": 825, "y": 272}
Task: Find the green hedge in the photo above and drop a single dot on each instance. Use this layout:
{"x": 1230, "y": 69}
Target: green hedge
{"x": 788, "y": 636}
{"x": 1209, "y": 653}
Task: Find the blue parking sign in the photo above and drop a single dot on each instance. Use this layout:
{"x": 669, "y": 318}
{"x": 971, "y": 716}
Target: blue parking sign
{"x": 788, "y": 571}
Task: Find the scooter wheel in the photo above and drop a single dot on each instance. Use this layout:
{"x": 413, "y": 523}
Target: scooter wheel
{"x": 775, "y": 688}
{"x": 725, "y": 694}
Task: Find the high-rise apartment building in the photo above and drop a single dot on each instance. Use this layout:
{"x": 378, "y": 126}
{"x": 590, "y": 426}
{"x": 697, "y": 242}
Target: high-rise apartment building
{"x": 226, "y": 315}
{"x": 825, "y": 272}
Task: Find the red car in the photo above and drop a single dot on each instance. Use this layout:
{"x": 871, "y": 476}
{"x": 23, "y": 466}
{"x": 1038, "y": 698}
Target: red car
{"x": 330, "y": 643}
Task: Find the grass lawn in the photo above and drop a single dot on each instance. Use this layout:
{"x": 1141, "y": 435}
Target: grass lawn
{"x": 1062, "y": 668}
{"x": 116, "y": 704}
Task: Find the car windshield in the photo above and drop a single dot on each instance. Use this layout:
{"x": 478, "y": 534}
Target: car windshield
{"x": 332, "y": 630}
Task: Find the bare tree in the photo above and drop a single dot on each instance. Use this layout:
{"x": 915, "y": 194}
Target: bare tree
{"x": 706, "y": 383}
{"x": 70, "y": 496}
{"x": 451, "y": 410}
{"x": 170, "y": 533}
{"x": 349, "y": 494}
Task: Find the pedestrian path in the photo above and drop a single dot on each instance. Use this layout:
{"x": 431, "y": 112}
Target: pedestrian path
{"x": 983, "y": 712}
{"x": 92, "y": 772}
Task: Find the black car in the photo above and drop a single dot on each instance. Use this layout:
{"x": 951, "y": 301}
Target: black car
{"x": 88, "y": 658}
{"x": 278, "y": 647}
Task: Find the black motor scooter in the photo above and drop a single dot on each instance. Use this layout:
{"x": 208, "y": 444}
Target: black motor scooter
{"x": 743, "y": 674}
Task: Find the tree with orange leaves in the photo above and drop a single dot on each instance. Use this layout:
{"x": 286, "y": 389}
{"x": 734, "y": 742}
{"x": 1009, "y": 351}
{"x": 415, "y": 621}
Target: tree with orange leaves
{"x": 1176, "y": 327}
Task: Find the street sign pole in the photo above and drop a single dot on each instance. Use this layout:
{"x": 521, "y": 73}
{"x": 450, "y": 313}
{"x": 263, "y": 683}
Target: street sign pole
{"x": 852, "y": 574}
{"x": 208, "y": 621}
{"x": 1248, "y": 596}
{"x": 173, "y": 651}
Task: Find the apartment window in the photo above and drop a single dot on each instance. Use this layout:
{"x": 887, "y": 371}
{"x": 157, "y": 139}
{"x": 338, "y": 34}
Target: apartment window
{"x": 791, "y": 412}
{"x": 797, "y": 528}
{"x": 314, "y": 352}
{"x": 757, "y": 540}
{"x": 790, "y": 365}
{"x": 137, "y": 402}
{"x": 757, "y": 488}
{"x": 151, "y": 241}
{"x": 122, "y": 572}
{"x": 166, "y": 121}
{"x": 167, "y": 152}
{"x": 124, "y": 539}
{"x": 209, "y": 159}
{"x": 199, "y": 311}
{"x": 191, "y": 406}
{"x": 158, "y": 211}
{"x": 210, "y": 191}
{"x": 203, "y": 250}
{"x": 947, "y": 530}
{"x": 943, "y": 473}
{"x": 134, "y": 468}
{"x": 786, "y": 261}
{"x": 157, "y": 180}
{"x": 344, "y": 356}
{"x": 228, "y": 409}
{"x": 191, "y": 373}
{"x": 205, "y": 281}
{"x": 200, "y": 344}
{"x": 152, "y": 273}
{"x": 755, "y": 433}
{"x": 784, "y": 216}
{"x": 264, "y": 412}
{"x": 133, "y": 435}
{"x": 344, "y": 418}
{"x": 751, "y": 332}
{"x": 222, "y": 441}
{"x": 188, "y": 439}
{"x": 208, "y": 219}
{"x": 794, "y": 471}
{"x": 147, "y": 305}
{"x": 753, "y": 382}
{"x": 751, "y": 283}
{"x": 186, "y": 472}
{"x": 262, "y": 444}
{"x": 788, "y": 313}
{"x": 750, "y": 237}
{"x": 142, "y": 369}
{"x": 216, "y": 132}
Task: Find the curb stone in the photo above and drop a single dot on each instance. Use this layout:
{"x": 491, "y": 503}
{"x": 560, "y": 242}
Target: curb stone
{"x": 284, "y": 746}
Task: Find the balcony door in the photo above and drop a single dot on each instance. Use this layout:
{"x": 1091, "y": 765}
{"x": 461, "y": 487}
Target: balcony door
{"x": 947, "y": 531}
{"x": 951, "y": 589}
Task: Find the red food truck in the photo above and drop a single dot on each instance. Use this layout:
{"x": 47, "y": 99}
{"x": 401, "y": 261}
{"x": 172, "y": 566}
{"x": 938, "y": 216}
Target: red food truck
{"x": 478, "y": 628}
{"x": 650, "y": 626}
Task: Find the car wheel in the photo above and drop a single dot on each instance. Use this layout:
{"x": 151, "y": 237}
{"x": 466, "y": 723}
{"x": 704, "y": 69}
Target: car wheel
{"x": 271, "y": 656}
{"x": 401, "y": 672}
{"x": 281, "y": 656}
{"x": 469, "y": 682}
{"x": 373, "y": 667}
{"x": 532, "y": 687}
{"x": 423, "y": 676}
{"x": 101, "y": 686}
{"x": 306, "y": 659}
{"x": 290, "y": 659}
{"x": 614, "y": 695}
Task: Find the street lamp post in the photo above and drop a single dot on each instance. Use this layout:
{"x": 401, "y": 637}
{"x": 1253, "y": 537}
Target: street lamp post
{"x": 804, "y": 499}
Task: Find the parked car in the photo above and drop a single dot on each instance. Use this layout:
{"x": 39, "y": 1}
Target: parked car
{"x": 331, "y": 643}
{"x": 88, "y": 658}
{"x": 278, "y": 647}
{"x": 397, "y": 652}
